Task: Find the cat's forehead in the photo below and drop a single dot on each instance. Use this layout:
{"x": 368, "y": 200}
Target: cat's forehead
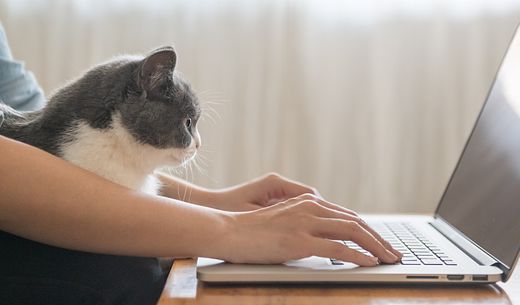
{"x": 174, "y": 92}
{"x": 179, "y": 94}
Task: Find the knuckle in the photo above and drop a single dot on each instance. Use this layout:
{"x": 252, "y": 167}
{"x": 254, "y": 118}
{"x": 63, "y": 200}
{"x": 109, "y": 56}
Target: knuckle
{"x": 358, "y": 220}
{"x": 357, "y": 255}
{"x": 308, "y": 196}
{"x": 288, "y": 201}
{"x": 354, "y": 226}
{"x": 272, "y": 176}
{"x": 308, "y": 204}
{"x": 355, "y": 214}
{"x": 337, "y": 250}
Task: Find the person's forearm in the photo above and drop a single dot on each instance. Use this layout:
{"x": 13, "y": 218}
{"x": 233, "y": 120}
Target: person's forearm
{"x": 179, "y": 189}
{"x": 49, "y": 200}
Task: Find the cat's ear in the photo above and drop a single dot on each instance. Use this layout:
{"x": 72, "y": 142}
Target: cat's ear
{"x": 157, "y": 67}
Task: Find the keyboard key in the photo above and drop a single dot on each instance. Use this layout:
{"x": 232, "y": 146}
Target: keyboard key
{"x": 432, "y": 261}
{"x": 449, "y": 262}
{"x": 420, "y": 251}
{"x": 414, "y": 246}
{"x": 409, "y": 259}
{"x": 410, "y": 263}
{"x": 426, "y": 256}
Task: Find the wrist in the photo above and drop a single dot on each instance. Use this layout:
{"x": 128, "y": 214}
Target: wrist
{"x": 221, "y": 241}
{"x": 217, "y": 198}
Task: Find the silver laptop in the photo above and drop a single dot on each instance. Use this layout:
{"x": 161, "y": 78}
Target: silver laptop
{"x": 474, "y": 236}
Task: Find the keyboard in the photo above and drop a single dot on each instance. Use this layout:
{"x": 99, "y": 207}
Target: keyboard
{"x": 416, "y": 248}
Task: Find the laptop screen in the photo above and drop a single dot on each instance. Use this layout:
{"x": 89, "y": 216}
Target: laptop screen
{"x": 482, "y": 199}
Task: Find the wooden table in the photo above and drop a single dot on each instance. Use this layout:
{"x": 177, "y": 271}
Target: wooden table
{"x": 182, "y": 287}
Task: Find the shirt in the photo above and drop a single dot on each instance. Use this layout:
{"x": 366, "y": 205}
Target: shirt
{"x": 18, "y": 87}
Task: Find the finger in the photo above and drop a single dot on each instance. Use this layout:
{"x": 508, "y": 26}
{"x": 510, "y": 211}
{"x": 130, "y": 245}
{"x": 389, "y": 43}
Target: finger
{"x": 327, "y": 204}
{"x": 247, "y": 207}
{"x": 362, "y": 223}
{"x": 340, "y": 209}
{"x": 321, "y": 208}
{"x": 286, "y": 188}
{"x": 331, "y": 249}
{"x": 340, "y": 229}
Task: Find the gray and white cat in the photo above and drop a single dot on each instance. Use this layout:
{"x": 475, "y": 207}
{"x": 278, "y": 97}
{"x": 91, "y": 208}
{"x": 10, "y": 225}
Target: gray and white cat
{"x": 122, "y": 120}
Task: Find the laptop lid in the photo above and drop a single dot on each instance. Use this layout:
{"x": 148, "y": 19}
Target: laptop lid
{"x": 482, "y": 198}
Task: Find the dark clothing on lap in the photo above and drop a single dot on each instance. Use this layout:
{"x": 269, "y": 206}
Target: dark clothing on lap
{"x": 35, "y": 273}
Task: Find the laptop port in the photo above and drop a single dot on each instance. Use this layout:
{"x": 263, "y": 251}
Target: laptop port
{"x": 455, "y": 277}
{"x": 480, "y": 277}
{"x": 422, "y": 277}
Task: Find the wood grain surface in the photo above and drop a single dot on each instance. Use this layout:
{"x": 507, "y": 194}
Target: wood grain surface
{"x": 182, "y": 287}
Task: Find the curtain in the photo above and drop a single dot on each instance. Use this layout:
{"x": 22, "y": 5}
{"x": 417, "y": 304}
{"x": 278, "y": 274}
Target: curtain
{"x": 369, "y": 101}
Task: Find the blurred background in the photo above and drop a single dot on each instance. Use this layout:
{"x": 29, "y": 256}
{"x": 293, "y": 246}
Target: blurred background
{"x": 369, "y": 101}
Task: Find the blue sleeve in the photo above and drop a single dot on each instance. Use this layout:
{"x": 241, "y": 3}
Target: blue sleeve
{"x": 18, "y": 87}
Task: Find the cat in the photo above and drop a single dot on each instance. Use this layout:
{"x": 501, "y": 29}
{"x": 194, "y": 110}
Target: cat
{"x": 122, "y": 120}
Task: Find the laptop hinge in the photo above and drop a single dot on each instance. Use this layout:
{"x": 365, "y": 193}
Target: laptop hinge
{"x": 467, "y": 246}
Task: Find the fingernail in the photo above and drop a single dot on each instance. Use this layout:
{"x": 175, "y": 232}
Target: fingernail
{"x": 398, "y": 254}
{"x": 374, "y": 260}
{"x": 392, "y": 256}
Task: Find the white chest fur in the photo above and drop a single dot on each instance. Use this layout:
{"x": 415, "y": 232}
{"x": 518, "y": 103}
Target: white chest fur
{"x": 114, "y": 154}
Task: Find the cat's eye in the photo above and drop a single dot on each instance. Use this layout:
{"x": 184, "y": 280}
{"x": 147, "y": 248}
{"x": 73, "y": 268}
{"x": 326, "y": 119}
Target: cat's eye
{"x": 188, "y": 123}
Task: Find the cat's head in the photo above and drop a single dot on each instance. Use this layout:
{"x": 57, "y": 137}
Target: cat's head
{"x": 142, "y": 103}
{"x": 160, "y": 109}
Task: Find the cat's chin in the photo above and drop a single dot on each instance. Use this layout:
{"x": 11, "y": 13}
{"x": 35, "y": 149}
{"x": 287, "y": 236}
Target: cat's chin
{"x": 183, "y": 160}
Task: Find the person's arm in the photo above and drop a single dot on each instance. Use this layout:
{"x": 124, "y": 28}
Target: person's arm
{"x": 180, "y": 189}
{"x": 251, "y": 195}
{"x": 49, "y": 200}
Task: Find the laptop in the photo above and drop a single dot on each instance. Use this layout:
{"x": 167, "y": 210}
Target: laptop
{"x": 474, "y": 235}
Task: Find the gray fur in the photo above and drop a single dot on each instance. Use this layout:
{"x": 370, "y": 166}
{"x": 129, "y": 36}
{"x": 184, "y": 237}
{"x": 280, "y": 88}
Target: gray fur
{"x": 151, "y": 98}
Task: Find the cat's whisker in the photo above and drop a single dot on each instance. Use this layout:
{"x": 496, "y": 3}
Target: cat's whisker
{"x": 205, "y": 110}
{"x": 210, "y": 110}
{"x": 202, "y": 170}
{"x": 192, "y": 180}
{"x": 210, "y": 93}
{"x": 189, "y": 179}
{"x": 215, "y": 102}
{"x": 202, "y": 166}
{"x": 185, "y": 177}
{"x": 198, "y": 167}
{"x": 174, "y": 174}
{"x": 205, "y": 115}
{"x": 205, "y": 150}
{"x": 203, "y": 160}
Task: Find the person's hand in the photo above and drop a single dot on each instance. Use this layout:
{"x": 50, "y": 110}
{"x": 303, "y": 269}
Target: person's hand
{"x": 301, "y": 227}
{"x": 261, "y": 192}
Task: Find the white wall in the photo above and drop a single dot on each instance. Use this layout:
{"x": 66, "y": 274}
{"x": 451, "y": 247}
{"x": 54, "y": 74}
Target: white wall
{"x": 370, "y": 101}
